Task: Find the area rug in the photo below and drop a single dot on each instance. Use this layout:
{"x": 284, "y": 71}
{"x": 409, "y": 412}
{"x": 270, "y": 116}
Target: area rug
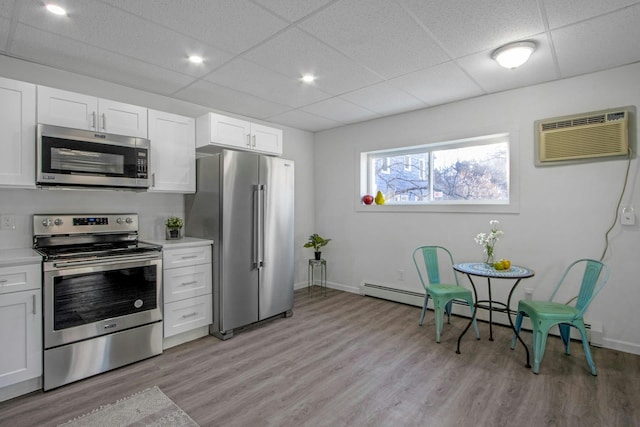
{"x": 150, "y": 407}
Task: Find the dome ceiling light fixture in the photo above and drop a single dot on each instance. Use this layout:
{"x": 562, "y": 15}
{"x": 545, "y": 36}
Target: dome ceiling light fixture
{"x": 513, "y": 55}
{"x": 56, "y": 10}
{"x": 196, "y": 59}
{"x": 308, "y": 78}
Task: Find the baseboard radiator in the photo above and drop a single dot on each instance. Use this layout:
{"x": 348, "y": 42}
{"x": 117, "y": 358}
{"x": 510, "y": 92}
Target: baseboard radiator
{"x": 594, "y": 331}
{"x": 392, "y": 294}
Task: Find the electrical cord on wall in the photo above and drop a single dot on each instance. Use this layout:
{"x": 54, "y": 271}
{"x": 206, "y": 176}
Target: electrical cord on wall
{"x": 616, "y": 213}
{"x": 615, "y": 216}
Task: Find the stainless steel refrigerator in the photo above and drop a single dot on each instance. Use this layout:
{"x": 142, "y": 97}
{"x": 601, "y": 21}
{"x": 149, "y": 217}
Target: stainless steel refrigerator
{"x": 244, "y": 203}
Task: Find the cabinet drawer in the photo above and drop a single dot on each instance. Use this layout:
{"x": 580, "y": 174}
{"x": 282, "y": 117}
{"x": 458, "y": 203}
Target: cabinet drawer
{"x": 186, "y": 282}
{"x": 185, "y": 315}
{"x": 172, "y": 258}
{"x": 19, "y": 278}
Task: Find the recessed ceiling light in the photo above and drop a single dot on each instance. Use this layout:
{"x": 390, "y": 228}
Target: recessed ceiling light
{"x": 196, "y": 59}
{"x": 513, "y": 55}
{"x": 308, "y": 78}
{"x": 56, "y": 10}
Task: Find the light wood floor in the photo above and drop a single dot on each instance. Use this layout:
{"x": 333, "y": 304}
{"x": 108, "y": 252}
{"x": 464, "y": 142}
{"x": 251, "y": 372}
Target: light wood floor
{"x": 348, "y": 360}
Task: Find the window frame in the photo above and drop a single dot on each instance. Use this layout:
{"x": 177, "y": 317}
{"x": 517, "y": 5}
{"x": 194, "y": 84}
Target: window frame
{"x": 512, "y": 206}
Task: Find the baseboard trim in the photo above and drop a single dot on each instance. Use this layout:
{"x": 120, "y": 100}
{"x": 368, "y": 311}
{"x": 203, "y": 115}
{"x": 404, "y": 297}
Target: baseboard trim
{"x": 619, "y": 345}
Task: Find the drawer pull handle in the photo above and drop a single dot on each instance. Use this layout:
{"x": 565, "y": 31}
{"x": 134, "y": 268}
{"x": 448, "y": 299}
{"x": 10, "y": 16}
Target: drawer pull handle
{"x": 3, "y": 281}
{"x": 185, "y": 316}
{"x": 189, "y": 257}
{"x": 193, "y": 282}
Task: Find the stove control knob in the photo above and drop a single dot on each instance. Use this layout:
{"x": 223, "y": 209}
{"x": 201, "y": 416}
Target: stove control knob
{"x": 58, "y": 221}
{"x": 128, "y": 220}
{"x": 46, "y": 222}
{"x": 119, "y": 220}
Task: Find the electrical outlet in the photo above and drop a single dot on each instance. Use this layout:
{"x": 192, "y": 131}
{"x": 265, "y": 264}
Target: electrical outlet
{"x": 628, "y": 216}
{"x": 7, "y": 222}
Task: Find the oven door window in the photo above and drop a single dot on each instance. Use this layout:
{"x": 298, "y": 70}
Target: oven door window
{"x": 64, "y": 156}
{"x": 89, "y": 298}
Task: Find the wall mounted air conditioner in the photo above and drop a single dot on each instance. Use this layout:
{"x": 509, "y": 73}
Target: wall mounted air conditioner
{"x": 583, "y": 137}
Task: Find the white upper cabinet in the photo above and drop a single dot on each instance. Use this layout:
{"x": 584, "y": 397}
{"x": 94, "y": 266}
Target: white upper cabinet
{"x": 75, "y": 110}
{"x": 218, "y": 130}
{"x": 266, "y": 139}
{"x": 173, "y": 153}
{"x": 17, "y": 134}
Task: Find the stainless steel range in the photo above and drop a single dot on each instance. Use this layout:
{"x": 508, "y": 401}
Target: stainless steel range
{"x": 101, "y": 294}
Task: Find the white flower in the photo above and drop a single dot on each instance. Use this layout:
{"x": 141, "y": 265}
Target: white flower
{"x": 489, "y": 240}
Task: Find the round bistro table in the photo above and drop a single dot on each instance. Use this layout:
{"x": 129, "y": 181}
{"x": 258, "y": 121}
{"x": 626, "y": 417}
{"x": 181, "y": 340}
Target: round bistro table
{"x": 481, "y": 269}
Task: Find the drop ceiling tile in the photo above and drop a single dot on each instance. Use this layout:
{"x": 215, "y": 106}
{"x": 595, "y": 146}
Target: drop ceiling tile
{"x": 599, "y": 44}
{"x": 230, "y": 25}
{"x": 112, "y": 29}
{"x": 6, "y": 8}
{"x": 384, "y": 98}
{"x": 292, "y": 10}
{"x": 248, "y": 77}
{"x": 469, "y": 26}
{"x": 565, "y": 12}
{"x": 493, "y": 78}
{"x": 294, "y": 53}
{"x": 377, "y": 33}
{"x": 438, "y": 85}
{"x": 65, "y": 54}
{"x": 340, "y": 110}
{"x": 224, "y": 99}
{"x": 4, "y": 33}
{"x": 305, "y": 121}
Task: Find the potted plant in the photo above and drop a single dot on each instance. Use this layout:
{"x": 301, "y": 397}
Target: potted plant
{"x": 316, "y": 242}
{"x": 173, "y": 226}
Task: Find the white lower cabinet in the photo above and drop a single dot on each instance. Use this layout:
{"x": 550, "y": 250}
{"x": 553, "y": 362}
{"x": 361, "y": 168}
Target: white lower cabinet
{"x": 20, "y": 325}
{"x": 188, "y": 300}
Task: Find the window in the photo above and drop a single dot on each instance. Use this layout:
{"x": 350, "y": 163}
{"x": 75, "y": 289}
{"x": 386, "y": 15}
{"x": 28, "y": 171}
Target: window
{"x": 469, "y": 171}
{"x": 407, "y": 163}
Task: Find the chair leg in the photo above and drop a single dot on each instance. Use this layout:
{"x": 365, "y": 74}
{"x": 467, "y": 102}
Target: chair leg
{"x": 518, "y": 325}
{"x": 424, "y": 308}
{"x": 585, "y": 345}
{"x": 565, "y": 334}
{"x": 439, "y": 320}
{"x": 447, "y": 309}
{"x": 539, "y": 345}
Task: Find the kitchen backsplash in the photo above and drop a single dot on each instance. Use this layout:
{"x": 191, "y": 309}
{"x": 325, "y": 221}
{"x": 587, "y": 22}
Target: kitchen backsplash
{"x": 153, "y": 209}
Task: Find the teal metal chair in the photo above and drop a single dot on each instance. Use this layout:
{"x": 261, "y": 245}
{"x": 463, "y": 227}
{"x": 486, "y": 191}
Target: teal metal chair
{"x": 545, "y": 314}
{"x": 443, "y": 294}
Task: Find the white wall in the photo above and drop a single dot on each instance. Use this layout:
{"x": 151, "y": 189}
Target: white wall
{"x": 564, "y": 211}
{"x": 153, "y": 208}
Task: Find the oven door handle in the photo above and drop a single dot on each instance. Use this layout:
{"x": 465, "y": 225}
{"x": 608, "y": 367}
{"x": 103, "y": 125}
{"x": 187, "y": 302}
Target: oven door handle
{"x": 106, "y": 261}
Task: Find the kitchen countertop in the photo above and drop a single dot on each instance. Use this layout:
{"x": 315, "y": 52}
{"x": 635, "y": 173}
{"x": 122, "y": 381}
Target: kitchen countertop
{"x": 19, "y": 256}
{"x": 185, "y": 242}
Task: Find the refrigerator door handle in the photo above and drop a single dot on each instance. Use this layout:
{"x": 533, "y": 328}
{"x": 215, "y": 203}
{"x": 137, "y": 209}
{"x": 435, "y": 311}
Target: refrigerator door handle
{"x": 260, "y": 229}
{"x": 258, "y": 226}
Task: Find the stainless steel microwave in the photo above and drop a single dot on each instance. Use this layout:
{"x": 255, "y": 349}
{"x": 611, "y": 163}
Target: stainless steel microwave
{"x": 76, "y": 158}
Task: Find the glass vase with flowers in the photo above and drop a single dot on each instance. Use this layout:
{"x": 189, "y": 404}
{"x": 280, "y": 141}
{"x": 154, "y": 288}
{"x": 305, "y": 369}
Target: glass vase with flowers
{"x": 488, "y": 241}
